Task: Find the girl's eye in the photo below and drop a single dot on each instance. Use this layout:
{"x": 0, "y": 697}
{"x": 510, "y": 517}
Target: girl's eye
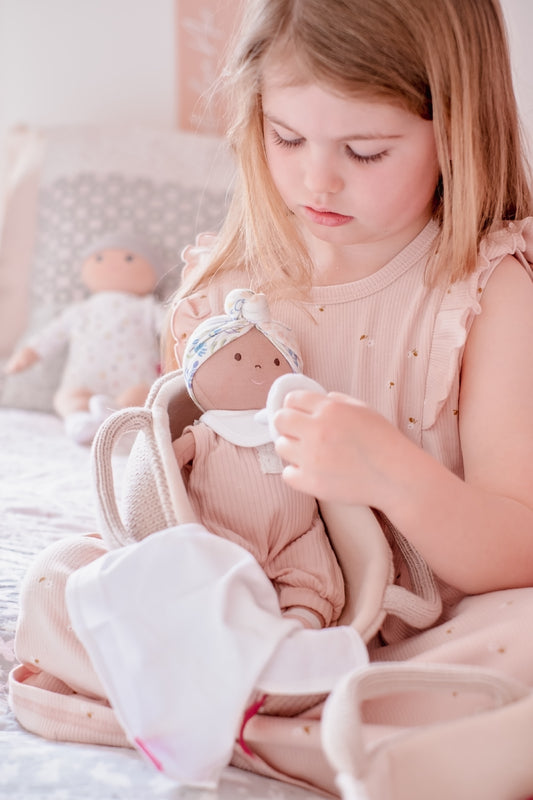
{"x": 277, "y": 362}
{"x": 129, "y": 257}
{"x": 237, "y": 356}
{"x": 365, "y": 159}
{"x": 281, "y": 142}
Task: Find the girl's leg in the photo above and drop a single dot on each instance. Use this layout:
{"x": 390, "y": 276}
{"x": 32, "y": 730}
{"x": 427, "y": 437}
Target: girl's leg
{"x": 489, "y": 631}
{"x": 55, "y": 691}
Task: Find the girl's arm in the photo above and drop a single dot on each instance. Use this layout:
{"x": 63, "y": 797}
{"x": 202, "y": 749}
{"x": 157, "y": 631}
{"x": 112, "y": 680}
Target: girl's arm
{"x": 476, "y": 534}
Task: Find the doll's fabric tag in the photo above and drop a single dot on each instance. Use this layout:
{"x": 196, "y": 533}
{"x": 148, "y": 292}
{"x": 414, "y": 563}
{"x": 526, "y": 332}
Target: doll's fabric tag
{"x": 270, "y": 462}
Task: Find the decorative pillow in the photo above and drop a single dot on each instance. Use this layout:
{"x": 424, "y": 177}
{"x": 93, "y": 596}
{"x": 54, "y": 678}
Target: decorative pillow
{"x": 63, "y": 188}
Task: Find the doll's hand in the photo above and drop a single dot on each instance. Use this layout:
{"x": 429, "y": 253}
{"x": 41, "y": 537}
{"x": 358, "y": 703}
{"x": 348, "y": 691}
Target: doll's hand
{"x": 184, "y": 448}
{"x": 21, "y": 360}
{"x": 338, "y": 449}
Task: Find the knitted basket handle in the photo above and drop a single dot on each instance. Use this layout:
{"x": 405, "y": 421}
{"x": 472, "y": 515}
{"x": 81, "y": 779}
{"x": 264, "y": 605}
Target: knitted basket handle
{"x": 173, "y": 501}
{"x": 131, "y": 420}
{"x": 342, "y": 723}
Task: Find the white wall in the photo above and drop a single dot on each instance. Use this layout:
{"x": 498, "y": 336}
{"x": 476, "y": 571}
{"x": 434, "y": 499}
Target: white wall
{"x": 519, "y": 16}
{"x": 91, "y": 60}
{"x": 84, "y": 61}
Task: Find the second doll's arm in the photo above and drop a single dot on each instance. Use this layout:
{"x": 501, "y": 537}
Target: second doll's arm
{"x": 48, "y": 341}
{"x": 21, "y": 360}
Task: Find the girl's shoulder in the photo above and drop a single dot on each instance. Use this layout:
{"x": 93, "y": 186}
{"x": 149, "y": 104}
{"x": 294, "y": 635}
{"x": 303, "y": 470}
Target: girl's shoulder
{"x": 188, "y": 312}
{"x": 511, "y": 239}
{"x": 500, "y": 254}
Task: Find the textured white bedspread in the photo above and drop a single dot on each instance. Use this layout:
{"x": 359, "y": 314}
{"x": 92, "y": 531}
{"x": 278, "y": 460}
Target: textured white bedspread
{"x": 46, "y": 494}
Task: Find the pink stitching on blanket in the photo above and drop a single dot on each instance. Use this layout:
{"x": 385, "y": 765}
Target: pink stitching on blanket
{"x": 142, "y": 746}
{"x": 250, "y": 712}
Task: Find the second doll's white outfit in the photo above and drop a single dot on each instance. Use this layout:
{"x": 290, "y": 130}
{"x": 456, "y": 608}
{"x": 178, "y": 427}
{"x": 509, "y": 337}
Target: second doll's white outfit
{"x": 112, "y": 339}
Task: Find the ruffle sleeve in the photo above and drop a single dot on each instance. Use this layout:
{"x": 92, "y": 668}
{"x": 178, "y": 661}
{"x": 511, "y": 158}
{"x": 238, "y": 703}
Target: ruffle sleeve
{"x": 460, "y": 304}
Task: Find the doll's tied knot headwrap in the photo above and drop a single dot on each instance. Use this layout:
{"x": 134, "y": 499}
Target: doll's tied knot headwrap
{"x": 244, "y": 310}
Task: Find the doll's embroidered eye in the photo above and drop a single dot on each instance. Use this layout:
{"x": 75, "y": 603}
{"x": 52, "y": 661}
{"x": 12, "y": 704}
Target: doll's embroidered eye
{"x": 277, "y": 362}
{"x": 237, "y": 356}
{"x": 129, "y": 257}
{"x": 98, "y": 258}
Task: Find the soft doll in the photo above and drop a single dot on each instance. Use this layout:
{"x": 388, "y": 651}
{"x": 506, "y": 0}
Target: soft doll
{"x": 112, "y": 336}
{"x": 233, "y": 473}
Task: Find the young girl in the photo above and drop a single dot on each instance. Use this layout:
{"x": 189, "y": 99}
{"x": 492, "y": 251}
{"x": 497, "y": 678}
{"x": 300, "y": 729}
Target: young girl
{"x": 382, "y": 204}
{"x": 380, "y": 191}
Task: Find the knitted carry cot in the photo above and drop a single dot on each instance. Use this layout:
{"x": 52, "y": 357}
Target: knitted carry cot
{"x": 292, "y": 739}
{"x": 154, "y": 497}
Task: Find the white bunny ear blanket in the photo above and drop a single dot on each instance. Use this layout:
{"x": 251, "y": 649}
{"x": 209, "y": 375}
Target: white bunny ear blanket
{"x": 181, "y": 628}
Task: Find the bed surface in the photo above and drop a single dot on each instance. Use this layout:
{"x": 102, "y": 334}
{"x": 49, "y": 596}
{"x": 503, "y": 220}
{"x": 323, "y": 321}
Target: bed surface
{"x": 46, "y": 494}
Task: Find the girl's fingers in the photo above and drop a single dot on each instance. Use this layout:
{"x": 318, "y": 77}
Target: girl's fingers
{"x": 303, "y": 400}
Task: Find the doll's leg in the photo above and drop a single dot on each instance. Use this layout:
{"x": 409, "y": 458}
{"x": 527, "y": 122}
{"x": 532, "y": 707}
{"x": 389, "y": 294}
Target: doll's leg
{"x": 81, "y": 415}
{"x": 55, "y": 691}
{"x": 68, "y": 401}
{"x": 134, "y": 396}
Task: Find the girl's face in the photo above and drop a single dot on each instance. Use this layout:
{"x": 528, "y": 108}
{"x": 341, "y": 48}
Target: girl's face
{"x": 355, "y": 172}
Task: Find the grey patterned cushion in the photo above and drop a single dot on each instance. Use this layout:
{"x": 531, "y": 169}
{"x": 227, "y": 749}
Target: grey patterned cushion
{"x": 165, "y": 186}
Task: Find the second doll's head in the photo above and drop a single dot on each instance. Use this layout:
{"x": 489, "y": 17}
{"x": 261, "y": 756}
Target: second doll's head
{"x": 121, "y": 262}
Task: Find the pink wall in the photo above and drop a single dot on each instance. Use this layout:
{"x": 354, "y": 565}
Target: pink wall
{"x": 203, "y": 29}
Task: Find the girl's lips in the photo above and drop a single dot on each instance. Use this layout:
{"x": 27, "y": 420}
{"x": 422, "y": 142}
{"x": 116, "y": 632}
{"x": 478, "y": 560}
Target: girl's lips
{"x": 329, "y": 218}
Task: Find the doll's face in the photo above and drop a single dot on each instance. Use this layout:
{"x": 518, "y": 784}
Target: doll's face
{"x": 239, "y": 375}
{"x": 118, "y": 270}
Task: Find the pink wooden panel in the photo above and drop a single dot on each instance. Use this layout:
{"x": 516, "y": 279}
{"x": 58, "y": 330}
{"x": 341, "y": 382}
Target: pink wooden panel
{"x": 203, "y": 30}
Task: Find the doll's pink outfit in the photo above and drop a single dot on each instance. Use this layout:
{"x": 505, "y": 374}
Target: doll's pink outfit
{"x": 397, "y": 344}
{"x": 238, "y": 493}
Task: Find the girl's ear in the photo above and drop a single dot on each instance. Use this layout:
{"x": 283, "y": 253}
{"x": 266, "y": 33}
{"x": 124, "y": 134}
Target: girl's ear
{"x": 185, "y": 317}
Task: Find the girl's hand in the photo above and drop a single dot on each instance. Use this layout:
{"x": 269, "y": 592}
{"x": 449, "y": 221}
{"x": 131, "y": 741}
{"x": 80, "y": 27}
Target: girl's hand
{"x": 339, "y": 449}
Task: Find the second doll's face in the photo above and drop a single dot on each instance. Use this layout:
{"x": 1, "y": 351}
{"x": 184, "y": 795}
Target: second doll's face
{"x": 239, "y": 375}
{"x": 118, "y": 270}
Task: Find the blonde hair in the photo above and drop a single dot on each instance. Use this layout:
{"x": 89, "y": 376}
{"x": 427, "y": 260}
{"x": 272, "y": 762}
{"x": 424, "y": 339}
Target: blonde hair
{"x": 445, "y": 60}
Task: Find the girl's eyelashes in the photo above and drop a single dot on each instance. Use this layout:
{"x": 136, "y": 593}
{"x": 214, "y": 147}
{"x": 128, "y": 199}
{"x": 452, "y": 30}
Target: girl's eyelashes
{"x": 361, "y": 159}
{"x": 281, "y": 142}
{"x": 372, "y": 159}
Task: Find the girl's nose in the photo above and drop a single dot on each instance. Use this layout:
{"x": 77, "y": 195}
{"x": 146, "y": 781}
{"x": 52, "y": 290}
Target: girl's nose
{"x": 322, "y": 176}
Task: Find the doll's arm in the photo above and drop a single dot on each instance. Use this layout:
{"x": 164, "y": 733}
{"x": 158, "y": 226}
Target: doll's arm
{"x": 184, "y": 448}
{"x": 21, "y": 360}
{"x": 47, "y": 342}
